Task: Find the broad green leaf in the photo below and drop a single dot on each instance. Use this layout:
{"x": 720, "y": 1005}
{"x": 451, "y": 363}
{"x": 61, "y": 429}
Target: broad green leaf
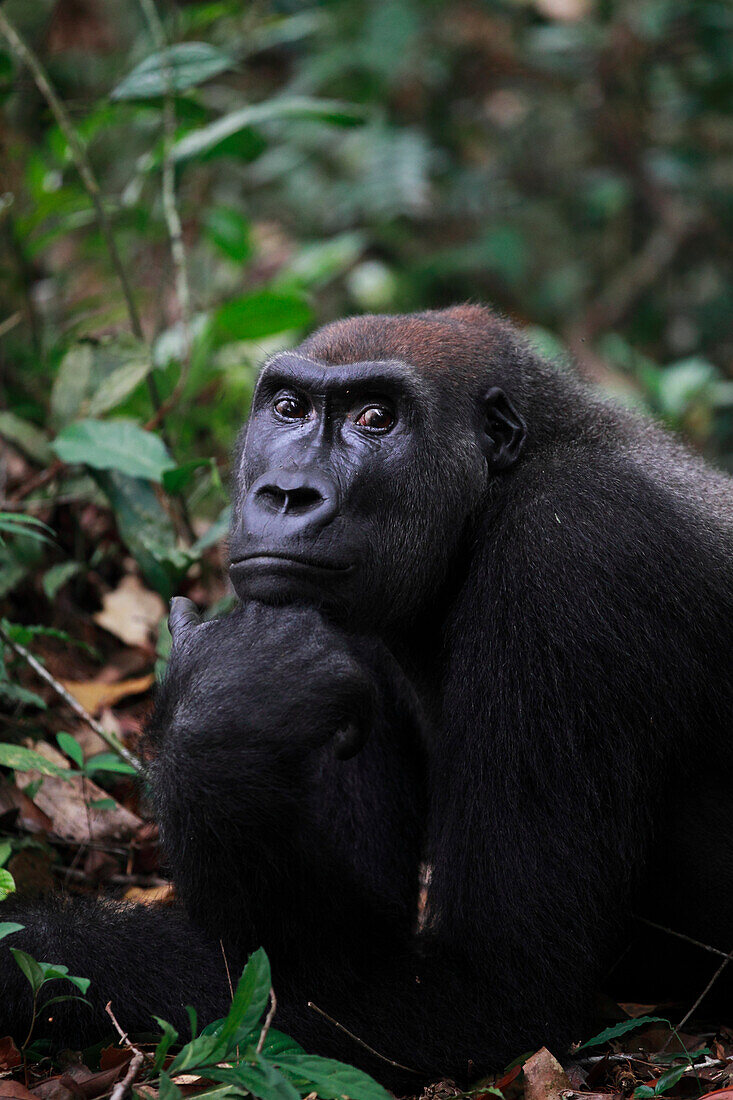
{"x": 167, "y": 1090}
{"x": 72, "y": 383}
{"x": 276, "y": 1043}
{"x": 71, "y": 747}
{"x": 30, "y": 968}
{"x": 118, "y": 385}
{"x": 22, "y": 759}
{"x": 230, "y": 232}
{"x": 621, "y": 1029}
{"x": 249, "y": 1001}
{"x": 16, "y": 694}
{"x": 261, "y": 314}
{"x": 301, "y": 108}
{"x": 26, "y": 437}
{"x": 178, "y": 478}
{"x": 94, "y": 378}
{"x": 262, "y": 1080}
{"x": 668, "y": 1079}
{"x": 120, "y": 445}
{"x": 173, "y": 69}
{"x": 168, "y": 1038}
{"x": 109, "y": 762}
{"x": 146, "y": 530}
{"x": 6, "y": 850}
{"x": 331, "y": 1079}
{"x": 7, "y": 884}
{"x": 57, "y": 576}
{"x": 199, "y": 1052}
{"x": 52, "y": 971}
{"x": 8, "y": 927}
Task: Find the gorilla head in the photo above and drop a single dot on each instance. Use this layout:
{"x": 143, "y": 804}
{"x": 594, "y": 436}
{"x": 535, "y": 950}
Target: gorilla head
{"x": 369, "y": 452}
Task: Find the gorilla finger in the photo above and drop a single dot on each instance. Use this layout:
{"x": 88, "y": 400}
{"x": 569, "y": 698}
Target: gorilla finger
{"x": 182, "y": 618}
{"x": 349, "y": 740}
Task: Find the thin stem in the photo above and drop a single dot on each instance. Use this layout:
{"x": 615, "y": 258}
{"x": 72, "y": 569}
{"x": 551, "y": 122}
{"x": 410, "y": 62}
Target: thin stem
{"x": 268, "y": 1021}
{"x": 78, "y": 154}
{"x": 106, "y": 735}
{"x": 336, "y": 1024}
{"x": 171, "y": 214}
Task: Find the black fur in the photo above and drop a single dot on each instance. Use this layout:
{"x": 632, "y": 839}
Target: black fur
{"x": 531, "y": 623}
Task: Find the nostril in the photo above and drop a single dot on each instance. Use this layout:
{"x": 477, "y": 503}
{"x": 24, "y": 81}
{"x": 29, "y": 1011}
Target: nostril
{"x": 302, "y": 499}
{"x": 272, "y": 497}
{"x": 292, "y": 501}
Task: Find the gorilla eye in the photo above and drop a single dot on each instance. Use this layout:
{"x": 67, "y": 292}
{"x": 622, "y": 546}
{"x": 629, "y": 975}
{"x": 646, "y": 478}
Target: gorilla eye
{"x": 378, "y": 418}
{"x": 291, "y": 407}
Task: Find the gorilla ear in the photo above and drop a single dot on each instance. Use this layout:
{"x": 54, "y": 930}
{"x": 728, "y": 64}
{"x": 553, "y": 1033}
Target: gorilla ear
{"x": 503, "y": 430}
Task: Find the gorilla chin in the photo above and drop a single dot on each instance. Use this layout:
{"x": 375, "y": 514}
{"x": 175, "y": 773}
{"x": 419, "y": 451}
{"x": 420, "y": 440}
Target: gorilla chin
{"x": 275, "y": 577}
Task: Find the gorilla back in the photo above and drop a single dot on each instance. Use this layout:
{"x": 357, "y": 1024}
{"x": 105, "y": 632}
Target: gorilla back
{"x": 487, "y": 624}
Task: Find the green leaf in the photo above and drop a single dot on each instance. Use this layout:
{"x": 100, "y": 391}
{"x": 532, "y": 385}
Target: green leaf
{"x": 114, "y": 445}
{"x": 249, "y": 1001}
{"x": 109, "y": 762}
{"x": 51, "y": 971}
{"x": 262, "y": 1080}
{"x": 622, "y": 1029}
{"x": 199, "y": 1052}
{"x": 668, "y": 1079}
{"x": 230, "y": 232}
{"x": 261, "y": 314}
{"x": 57, "y": 576}
{"x": 146, "y": 530}
{"x": 71, "y": 747}
{"x": 8, "y": 927}
{"x": 301, "y": 108}
{"x": 94, "y": 378}
{"x": 22, "y": 759}
{"x": 30, "y": 968}
{"x": 276, "y": 1043}
{"x": 331, "y": 1079}
{"x": 169, "y": 1037}
{"x": 26, "y": 437}
{"x": 178, "y": 478}
{"x": 103, "y": 803}
{"x": 167, "y": 1090}
{"x": 173, "y": 69}
{"x": 7, "y": 884}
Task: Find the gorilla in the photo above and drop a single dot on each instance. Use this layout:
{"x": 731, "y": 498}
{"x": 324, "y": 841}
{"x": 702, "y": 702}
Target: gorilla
{"x": 486, "y": 627}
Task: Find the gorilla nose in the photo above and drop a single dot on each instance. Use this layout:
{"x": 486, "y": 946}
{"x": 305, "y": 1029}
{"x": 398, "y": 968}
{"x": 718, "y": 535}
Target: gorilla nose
{"x": 299, "y": 499}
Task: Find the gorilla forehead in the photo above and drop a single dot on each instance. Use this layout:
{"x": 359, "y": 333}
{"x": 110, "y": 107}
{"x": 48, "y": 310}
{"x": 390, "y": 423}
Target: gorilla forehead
{"x": 460, "y": 341}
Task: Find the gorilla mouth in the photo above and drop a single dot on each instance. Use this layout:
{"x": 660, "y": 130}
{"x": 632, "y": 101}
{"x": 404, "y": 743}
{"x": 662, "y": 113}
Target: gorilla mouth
{"x": 276, "y": 562}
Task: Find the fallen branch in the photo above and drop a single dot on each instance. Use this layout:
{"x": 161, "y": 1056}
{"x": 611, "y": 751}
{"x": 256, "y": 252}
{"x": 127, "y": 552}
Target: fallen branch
{"x": 111, "y": 739}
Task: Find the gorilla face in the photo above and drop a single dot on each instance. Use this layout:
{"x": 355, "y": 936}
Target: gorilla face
{"x": 355, "y": 485}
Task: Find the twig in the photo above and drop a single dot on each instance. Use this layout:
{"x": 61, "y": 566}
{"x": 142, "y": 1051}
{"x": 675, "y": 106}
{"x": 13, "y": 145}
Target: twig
{"x": 706, "y": 990}
{"x": 397, "y": 1065}
{"x": 268, "y": 1021}
{"x": 123, "y": 1087}
{"x": 112, "y": 740}
{"x": 172, "y": 217}
{"x": 226, "y": 967}
{"x": 38, "y": 481}
{"x": 124, "y": 1037}
{"x": 10, "y": 323}
{"x": 682, "y": 936}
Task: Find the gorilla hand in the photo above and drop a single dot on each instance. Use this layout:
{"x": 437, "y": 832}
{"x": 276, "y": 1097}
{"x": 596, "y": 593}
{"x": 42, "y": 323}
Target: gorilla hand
{"x": 284, "y": 675}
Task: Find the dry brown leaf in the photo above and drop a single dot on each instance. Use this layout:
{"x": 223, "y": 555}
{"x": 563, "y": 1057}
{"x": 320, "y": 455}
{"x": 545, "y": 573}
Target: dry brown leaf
{"x": 13, "y": 1090}
{"x": 132, "y": 612}
{"x": 152, "y": 895}
{"x": 544, "y": 1077}
{"x": 10, "y": 1056}
{"x": 67, "y": 803}
{"x": 93, "y": 694}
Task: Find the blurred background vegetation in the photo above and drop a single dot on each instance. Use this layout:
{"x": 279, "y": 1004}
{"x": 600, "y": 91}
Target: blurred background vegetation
{"x": 266, "y": 166}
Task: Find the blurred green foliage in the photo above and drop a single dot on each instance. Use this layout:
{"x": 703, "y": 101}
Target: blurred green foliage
{"x": 570, "y": 161}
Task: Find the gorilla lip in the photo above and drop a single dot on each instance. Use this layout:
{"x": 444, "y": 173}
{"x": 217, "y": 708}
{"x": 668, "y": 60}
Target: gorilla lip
{"x": 281, "y": 562}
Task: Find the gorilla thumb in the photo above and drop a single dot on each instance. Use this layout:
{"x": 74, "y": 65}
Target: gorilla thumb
{"x": 182, "y": 618}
